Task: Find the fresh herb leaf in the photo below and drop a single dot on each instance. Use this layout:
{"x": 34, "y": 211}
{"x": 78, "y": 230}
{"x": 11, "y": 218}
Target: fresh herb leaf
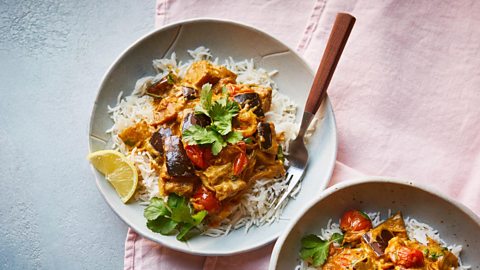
{"x": 162, "y": 225}
{"x": 364, "y": 215}
{"x": 435, "y": 255}
{"x": 316, "y": 250}
{"x": 200, "y": 135}
{"x": 198, "y": 217}
{"x": 234, "y": 137}
{"x": 181, "y": 211}
{"x": 188, "y": 231}
{"x": 175, "y": 216}
{"x": 155, "y": 209}
{"x": 337, "y": 238}
{"x": 217, "y": 147}
{"x": 248, "y": 140}
{"x": 221, "y": 113}
{"x": 205, "y": 100}
{"x": 183, "y": 234}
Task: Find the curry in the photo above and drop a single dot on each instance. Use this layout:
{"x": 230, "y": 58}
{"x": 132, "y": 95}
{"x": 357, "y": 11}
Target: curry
{"x": 210, "y": 140}
{"x": 387, "y": 246}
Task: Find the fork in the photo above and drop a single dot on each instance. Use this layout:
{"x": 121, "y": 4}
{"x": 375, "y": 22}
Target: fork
{"x": 298, "y": 154}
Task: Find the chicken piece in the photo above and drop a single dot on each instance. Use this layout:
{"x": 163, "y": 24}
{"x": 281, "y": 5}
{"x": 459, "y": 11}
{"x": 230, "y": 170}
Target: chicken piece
{"x": 167, "y": 110}
{"x": 203, "y": 72}
{"x": 344, "y": 259}
{"x": 134, "y": 136}
{"x": 182, "y": 188}
{"x": 447, "y": 261}
{"x": 219, "y": 178}
{"x": 229, "y": 188}
{"x": 216, "y": 174}
{"x": 266, "y": 159}
{"x": 268, "y": 172}
{"x": 224, "y": 82}
{"x": 437, "y": 257}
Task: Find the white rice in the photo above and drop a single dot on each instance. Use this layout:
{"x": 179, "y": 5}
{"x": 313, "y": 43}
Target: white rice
{"x": 415, "y": 230}
{"x": 256, "y": 206}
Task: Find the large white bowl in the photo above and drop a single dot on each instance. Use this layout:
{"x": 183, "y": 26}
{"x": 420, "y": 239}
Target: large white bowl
{"x": 225, "y": 39}
{"x": 455, "y": 223}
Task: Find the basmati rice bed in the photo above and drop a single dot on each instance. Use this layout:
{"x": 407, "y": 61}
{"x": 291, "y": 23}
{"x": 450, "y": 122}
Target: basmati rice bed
{"x": 255, "y": 205}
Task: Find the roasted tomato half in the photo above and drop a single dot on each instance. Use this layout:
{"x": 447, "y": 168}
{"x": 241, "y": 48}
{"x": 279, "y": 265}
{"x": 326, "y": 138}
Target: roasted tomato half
{"x": 241, "y": 161}
{"x": 355, "y": 220}
{"x": 205, "y": 199}
{"x": 407, "y": 257}
{"x": 200, "y": 156}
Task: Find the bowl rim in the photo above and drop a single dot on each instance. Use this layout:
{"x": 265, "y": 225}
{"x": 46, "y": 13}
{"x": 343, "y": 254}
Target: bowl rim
{"x": 358, "y": 181}
{"x": 136, "y": 43}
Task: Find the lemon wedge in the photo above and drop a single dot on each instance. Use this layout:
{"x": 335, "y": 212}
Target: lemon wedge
{"x": 118, "y": 170}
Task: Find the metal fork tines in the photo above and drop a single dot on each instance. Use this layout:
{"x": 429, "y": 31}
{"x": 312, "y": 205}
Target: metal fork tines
{"x": 297, "y": 158}
{"x": 298, "y": 155}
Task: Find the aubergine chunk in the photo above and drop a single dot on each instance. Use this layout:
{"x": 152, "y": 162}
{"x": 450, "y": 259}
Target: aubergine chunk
{"x": 267, "y": 138}
{"x": 160, "y": 87}
{"x": 192, "y": 119}
{"x": 264, "y": 135}
{"x": 378, "y": 237}
{"x": 177, "y": 161}
{"x": 265, "y": 94}
{"x": 252, "y": 100}
{"x": 155, "y": 143}
{"x": 189, "y": 93}
{"x": 203, "y": 72}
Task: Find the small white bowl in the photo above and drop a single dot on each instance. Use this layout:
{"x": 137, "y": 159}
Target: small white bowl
{"x": 225, "y": 39}
{"x": 455, "y": 223}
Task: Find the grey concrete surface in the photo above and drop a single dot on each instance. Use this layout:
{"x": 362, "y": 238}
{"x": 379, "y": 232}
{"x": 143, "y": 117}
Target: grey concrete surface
{"x": 53, "y": 55}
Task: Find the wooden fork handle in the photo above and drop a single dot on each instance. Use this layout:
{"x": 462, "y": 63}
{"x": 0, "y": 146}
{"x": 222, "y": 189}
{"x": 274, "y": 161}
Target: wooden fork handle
{"x": 336, "y": 42}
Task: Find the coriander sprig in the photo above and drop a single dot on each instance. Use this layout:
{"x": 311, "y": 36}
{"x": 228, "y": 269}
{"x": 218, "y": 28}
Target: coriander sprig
{"x": 173, "y": 217}
{"x": 316, "y": 250}
{"x": 221, "y": 113}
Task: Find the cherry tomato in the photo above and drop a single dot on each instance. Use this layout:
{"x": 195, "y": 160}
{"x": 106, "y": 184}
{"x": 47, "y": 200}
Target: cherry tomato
{"x": 241, "y": 161}
{"x": 206, "y": 200}
{"x": 355, "y": 220}
{"x": 200, "y": 156}
{"x": 207, "y": 155}
{"x": 407, "y": 257}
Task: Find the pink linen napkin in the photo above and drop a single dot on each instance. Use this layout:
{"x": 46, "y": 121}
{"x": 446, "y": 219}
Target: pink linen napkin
{"x": 406, "y": 95}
